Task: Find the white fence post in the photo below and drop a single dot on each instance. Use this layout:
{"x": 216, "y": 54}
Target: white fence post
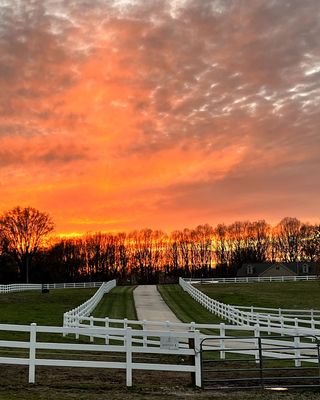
{"x": 32, "y": 352}
{"x": 77, "y": 324}
{"x": 144, "y": 339}
{"x": 269, "y": 324}
{"x": 257, "y": 335}
{"x": 297, "y": 353}
{"x": 107, "y": 327}
{"x": 129, "y": 356}
{"x": 222, "y": 342}
{"x": 91, "y": 326}
{"x": 197, "y": 358}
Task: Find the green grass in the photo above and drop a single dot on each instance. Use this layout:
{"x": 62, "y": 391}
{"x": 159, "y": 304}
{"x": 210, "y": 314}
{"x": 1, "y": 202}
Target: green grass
{"x": 294, "y": 295}
{"x": 23, "y": 308}
{"x": 118, "y": 303}
{"x": 188, "y": 310}
{"x": 184, "y": 307}
{"x": 299, "y": 295}
{"x": 48, "y": 308}
{"x": 42, "y": 308}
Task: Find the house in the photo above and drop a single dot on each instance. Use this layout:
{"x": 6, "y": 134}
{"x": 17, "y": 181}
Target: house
{"x": 278, "y": 269}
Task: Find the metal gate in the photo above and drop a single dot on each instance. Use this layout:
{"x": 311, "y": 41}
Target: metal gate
{"x": 271, "y": 362}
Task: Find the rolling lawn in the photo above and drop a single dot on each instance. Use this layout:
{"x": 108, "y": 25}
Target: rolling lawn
{"x": 294, "y": 295}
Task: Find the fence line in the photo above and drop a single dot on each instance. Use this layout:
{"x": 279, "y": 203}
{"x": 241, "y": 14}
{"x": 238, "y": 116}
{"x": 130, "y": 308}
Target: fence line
{"x": 70, "y": 318}
{"x": 251, "y": 279}
{"x": 274, "y": 323}
{"x": 20, "y": 287}
{"x": 298, "y": 349}
{"x": 127, "y": 335}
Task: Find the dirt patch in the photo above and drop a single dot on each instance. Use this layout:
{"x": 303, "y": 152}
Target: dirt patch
{"x": 98, "y": 384}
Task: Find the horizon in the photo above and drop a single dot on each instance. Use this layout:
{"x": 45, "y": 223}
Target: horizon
{"x": 119, "y": 115}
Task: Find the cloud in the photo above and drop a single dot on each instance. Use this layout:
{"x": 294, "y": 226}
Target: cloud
{"x": 206, "y": 107}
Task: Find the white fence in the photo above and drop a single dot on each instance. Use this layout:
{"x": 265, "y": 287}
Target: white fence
{"x": 70, "y": 318}
{"x": 129, "y": 347}
{"x": 21, "y": 287}
{"x": 305, "y": 324}
{"x": 144, "y": 342}
{"x": 252, "y": 279}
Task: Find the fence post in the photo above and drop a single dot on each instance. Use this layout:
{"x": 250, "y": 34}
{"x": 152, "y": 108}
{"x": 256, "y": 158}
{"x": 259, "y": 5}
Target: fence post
{"x": 222, "y": 343}
{"x": 269, "y": 324}
{"x": 91, "y": 326}
{"x": 32, "y": 352}
{"x": 144, "y": 338}
{"x": 107, "y": 327}
{"x": 197, "y": 358}
{"x": 65, "y": 323}
{"x": 257, "y": 335}
{"x": 282, "y": 326}
{"x": 297, "y": 355}
{"x": 129, "y": 357}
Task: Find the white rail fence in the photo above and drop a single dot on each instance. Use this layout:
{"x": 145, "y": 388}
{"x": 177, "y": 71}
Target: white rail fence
{"x": 305, "y": 324}
{"x": 252, "y": 279}
{"x": 70, "y": 318}
{"x": 128, "y": 336}
{"x": 21, "y": 287}
{"x": 34, "y": 352}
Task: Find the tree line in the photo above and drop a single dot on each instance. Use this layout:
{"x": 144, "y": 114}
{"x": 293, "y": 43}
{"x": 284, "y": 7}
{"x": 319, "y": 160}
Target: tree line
{"x": 146, "y": 256}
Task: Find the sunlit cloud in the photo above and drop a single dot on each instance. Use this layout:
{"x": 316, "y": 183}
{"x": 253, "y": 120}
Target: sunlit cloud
{"x": 122, "y": 114}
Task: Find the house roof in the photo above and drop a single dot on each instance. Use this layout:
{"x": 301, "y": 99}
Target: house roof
{"x": 260, "y": 268}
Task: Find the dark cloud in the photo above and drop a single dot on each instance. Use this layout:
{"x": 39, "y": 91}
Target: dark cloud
{"x": 23, "y": 155}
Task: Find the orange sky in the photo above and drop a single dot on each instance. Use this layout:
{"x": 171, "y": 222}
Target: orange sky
{"x": 119, "y": 115}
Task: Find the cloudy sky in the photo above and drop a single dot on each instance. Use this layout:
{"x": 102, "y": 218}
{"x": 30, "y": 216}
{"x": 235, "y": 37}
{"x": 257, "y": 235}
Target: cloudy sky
{"x": 123, "y": 114}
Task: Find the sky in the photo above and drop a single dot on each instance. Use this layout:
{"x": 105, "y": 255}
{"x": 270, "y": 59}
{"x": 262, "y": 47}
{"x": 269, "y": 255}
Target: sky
{"x": 124, "y": 114}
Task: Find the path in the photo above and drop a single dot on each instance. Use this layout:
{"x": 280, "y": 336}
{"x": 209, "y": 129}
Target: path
{"x": 151, "y": 307}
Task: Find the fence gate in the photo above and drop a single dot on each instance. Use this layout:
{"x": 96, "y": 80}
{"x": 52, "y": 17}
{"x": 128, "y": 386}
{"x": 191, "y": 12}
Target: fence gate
{"x": 269, "y": 362}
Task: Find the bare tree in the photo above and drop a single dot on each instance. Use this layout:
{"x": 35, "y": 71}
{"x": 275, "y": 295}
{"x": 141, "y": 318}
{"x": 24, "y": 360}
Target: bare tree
{"x": 288, "y": 233}
{"x": 24, "y": 230}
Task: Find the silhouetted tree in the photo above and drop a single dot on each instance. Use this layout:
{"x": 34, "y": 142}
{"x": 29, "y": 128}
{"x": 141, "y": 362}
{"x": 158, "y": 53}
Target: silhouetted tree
{"x": 24, "y": 229}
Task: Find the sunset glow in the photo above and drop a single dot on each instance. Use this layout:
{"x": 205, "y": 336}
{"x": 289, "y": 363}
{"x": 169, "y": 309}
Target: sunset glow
{"x": 123, "y": 114}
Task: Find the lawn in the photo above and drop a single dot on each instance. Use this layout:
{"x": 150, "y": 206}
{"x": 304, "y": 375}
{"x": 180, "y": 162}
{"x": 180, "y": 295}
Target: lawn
{"x": 293, "y": 295}
{"x": 48, "y": 308}
{"x": 185, "y": 308}
{"x": 118, "y": 303}
{"x": 42, "y": 308}
{"x": 299, "y": 295}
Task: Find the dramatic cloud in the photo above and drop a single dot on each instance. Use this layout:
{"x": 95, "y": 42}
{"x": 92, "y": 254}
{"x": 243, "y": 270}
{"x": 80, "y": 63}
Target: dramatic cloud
{"x": 121, "y": 114}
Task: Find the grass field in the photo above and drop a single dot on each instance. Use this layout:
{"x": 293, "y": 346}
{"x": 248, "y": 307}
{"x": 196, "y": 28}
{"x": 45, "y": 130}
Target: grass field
{"x": 185, "y": 308}
{"x": 294, "y": 295}
{"x": 298, "y": 295}
{"x": 42, "y": 308}
{"x": 48, "y": 308}
{"x": 118, "y": 303}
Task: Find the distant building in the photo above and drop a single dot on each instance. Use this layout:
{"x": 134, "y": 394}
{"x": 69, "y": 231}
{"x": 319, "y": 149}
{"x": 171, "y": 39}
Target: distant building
{"x": 278, "y": 269}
